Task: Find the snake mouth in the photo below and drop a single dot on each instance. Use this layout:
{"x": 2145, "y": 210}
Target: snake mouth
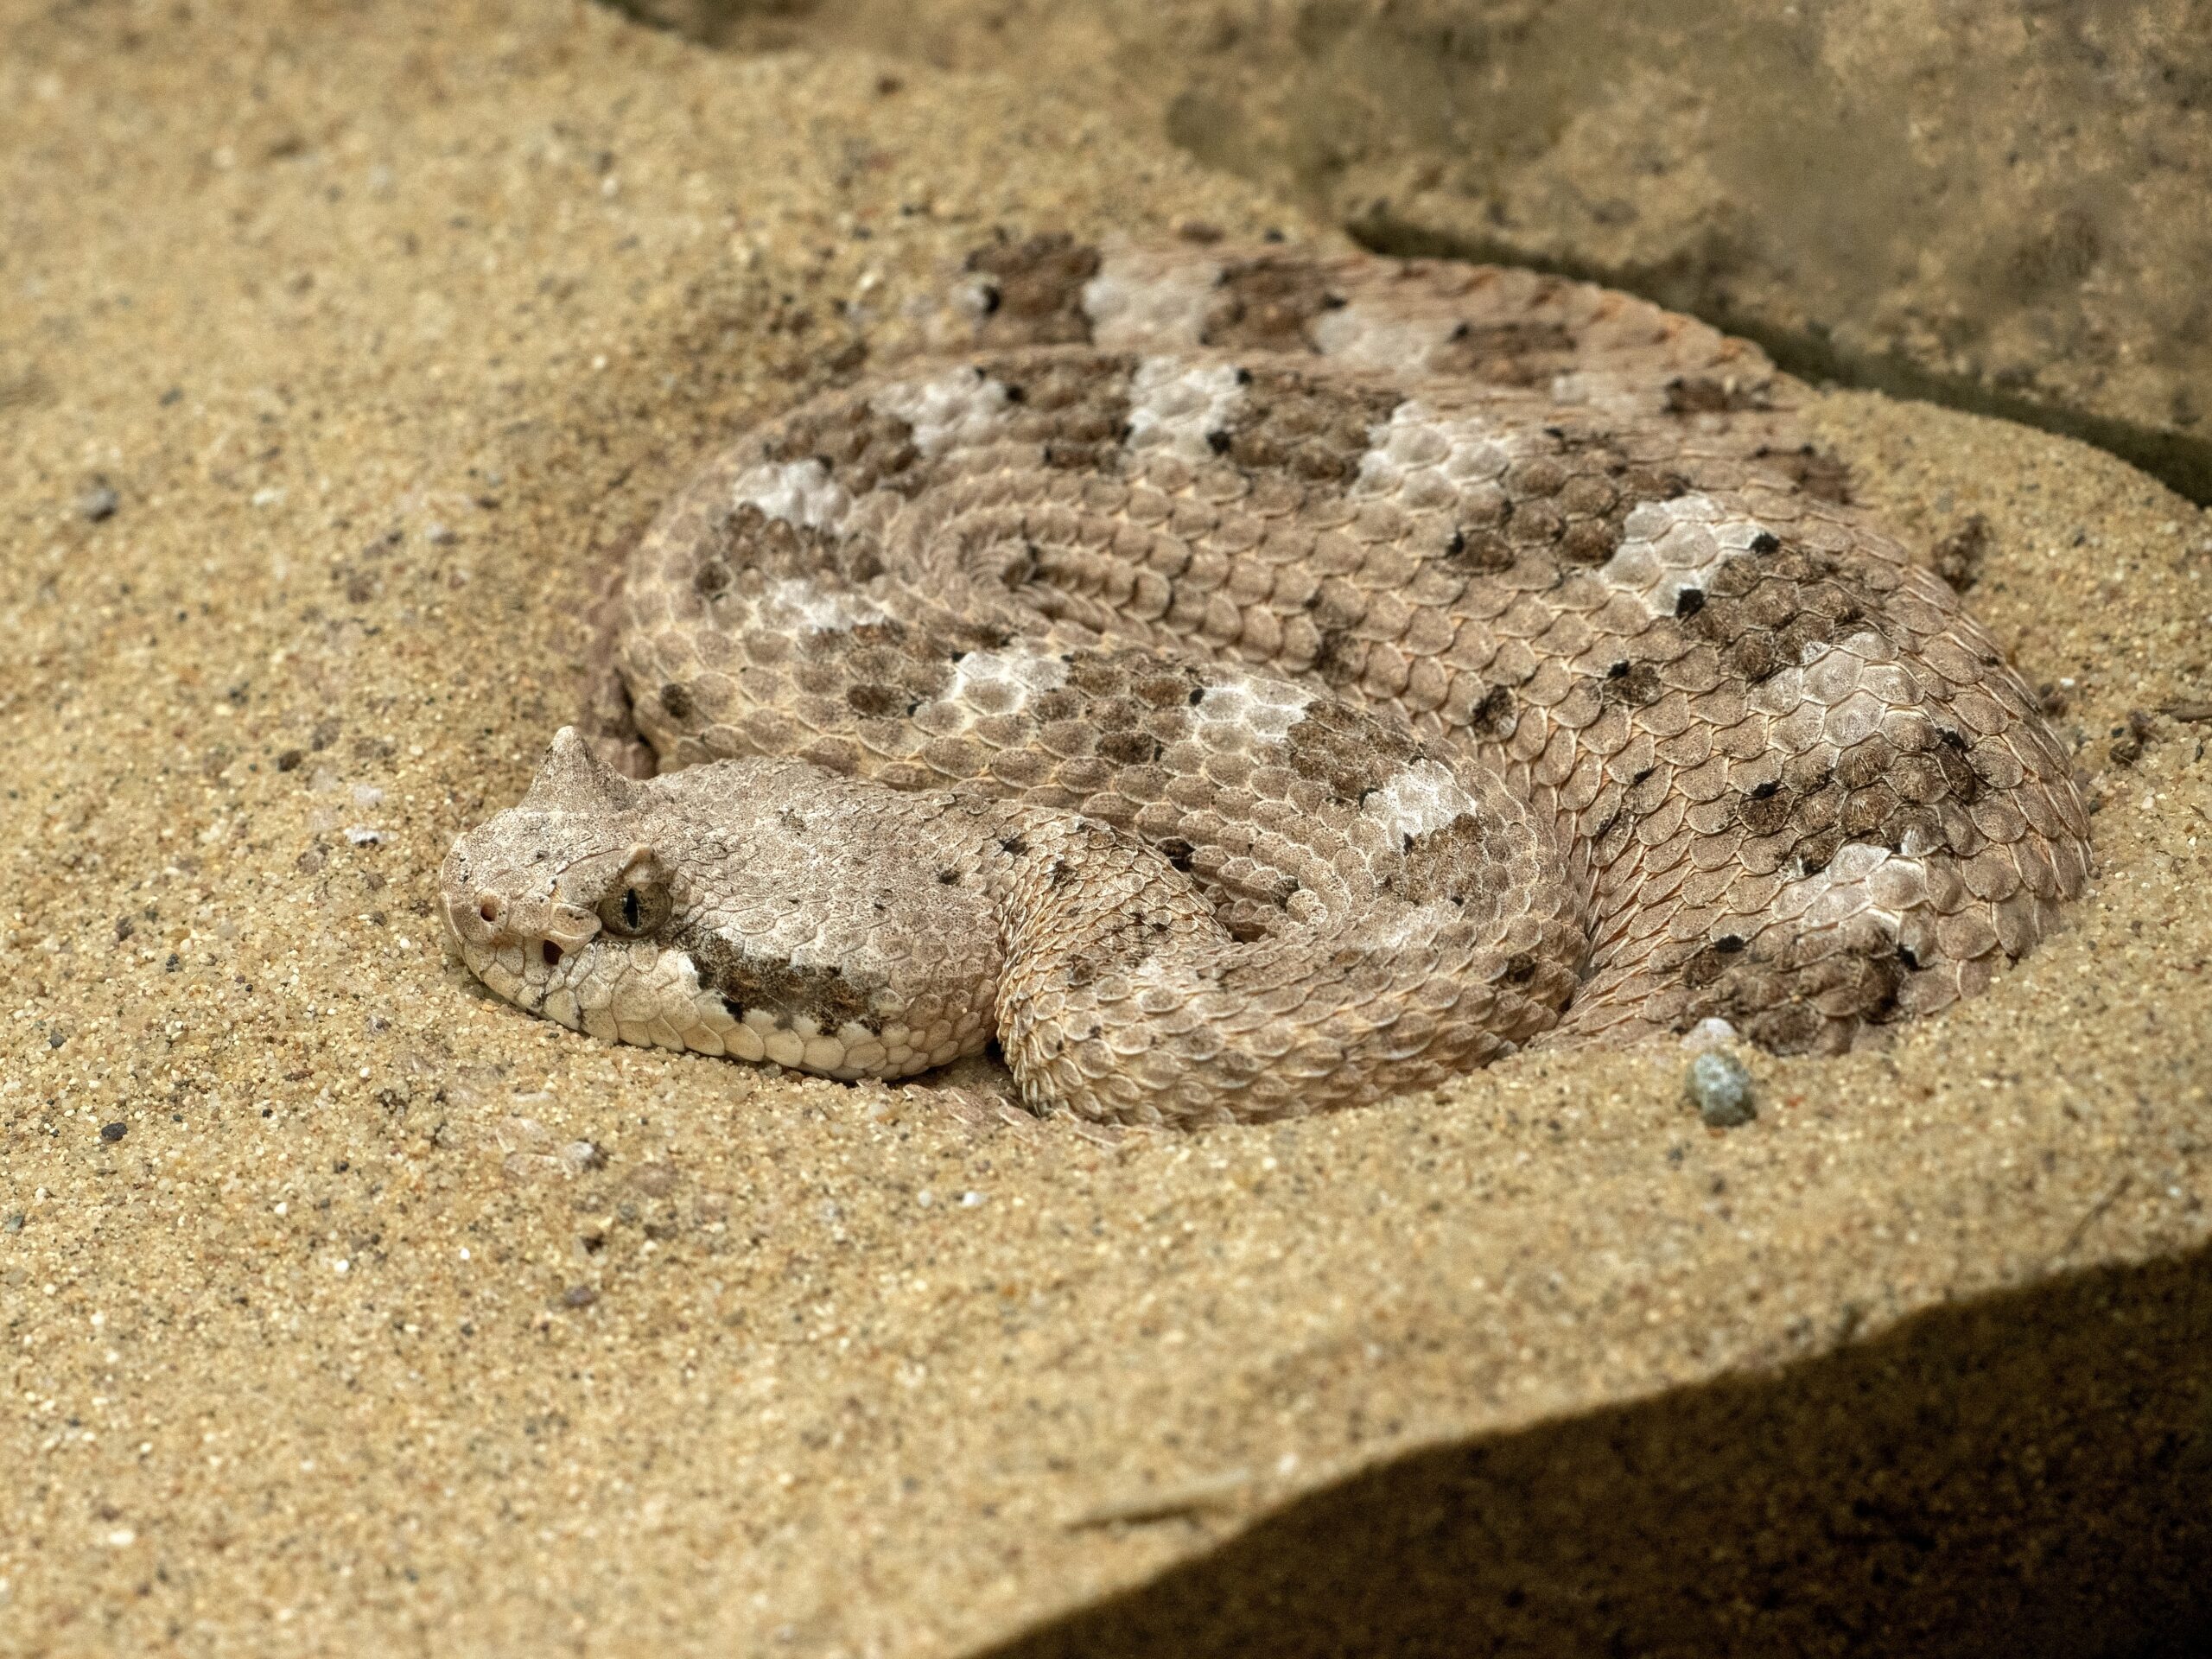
{"x": 663, "y": 1003}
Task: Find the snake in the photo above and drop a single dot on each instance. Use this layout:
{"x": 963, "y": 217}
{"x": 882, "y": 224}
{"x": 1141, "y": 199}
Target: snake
{"x": 1243, "y": 682}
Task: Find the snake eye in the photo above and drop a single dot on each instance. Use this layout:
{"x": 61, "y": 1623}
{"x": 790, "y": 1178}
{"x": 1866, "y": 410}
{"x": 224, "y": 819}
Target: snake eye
{"x": 637, "y": 903}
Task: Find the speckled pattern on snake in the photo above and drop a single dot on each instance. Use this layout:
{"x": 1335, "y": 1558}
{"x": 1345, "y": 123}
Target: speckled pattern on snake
{"x": 1243, "y": 683}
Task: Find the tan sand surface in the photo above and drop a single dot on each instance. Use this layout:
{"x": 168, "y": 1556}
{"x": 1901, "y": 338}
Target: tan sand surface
{"x": 344, "y": 1310}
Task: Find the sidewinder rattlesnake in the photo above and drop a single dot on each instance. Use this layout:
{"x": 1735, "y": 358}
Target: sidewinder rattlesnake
{"x": 1247, "y": 683}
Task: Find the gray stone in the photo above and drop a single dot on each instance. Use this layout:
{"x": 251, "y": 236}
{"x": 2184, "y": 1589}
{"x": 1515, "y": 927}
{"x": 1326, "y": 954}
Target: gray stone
{"x": 1720, "y": 1089}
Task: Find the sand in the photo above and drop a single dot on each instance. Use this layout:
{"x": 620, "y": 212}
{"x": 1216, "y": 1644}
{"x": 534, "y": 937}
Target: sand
{"x": 344, "y": 1310}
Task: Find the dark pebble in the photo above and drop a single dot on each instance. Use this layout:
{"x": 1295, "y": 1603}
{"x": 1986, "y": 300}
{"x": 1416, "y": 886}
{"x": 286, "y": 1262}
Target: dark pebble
{"x": 114, "y": 1132}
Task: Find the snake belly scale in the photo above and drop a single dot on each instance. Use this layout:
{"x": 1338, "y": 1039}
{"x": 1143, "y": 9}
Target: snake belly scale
{"x": 1243, "y": 685}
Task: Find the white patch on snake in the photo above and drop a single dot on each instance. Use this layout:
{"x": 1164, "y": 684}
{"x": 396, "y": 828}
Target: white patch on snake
{"x": 797, "y": 604}
{"x": 1426, "y": 459}
{"x": 1003, "y": 682}
{"x": 1836, "y": 695}
{"x": 960, "y": 406}
{"x": 1239, "y": 709}
{"x": 972, "y": 297}
{"x": 1137, "y": 302}
{"x": 1420, "y": 800}
{"x": 1863, "y": 880}
{"x": 1576, "y": 386}
{"x": 1410, "y": 929}
{"x": 798, "y": 492}
{"x": 1367, "y": 337}
{"x": 1174, "y": 406}
{"x": 1625, "y": 398}
{"x": 1667, "y": 547}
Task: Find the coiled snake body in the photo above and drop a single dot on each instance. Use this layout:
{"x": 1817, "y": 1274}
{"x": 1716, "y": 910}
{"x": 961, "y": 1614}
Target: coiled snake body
{"x": 1246, "y": 684}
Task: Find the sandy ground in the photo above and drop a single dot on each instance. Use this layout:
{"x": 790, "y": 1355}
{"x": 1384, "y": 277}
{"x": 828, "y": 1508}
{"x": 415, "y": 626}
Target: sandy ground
{"x": 344, "y": 1310}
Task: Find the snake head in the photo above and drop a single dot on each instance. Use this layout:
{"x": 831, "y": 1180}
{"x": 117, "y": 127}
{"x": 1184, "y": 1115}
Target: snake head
{"x": 535, "y": 897}
{"x": 751, "y": 908}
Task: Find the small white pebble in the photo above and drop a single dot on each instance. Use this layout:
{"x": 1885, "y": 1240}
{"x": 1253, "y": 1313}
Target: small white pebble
{"x": 970, "y": 1200}
{"x": 1709, "y": 1034}
{"x": 340, "y": 1265}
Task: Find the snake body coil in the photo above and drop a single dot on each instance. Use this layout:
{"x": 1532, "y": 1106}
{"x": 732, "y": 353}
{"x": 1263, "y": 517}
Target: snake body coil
{"x": 1249, "y": 685}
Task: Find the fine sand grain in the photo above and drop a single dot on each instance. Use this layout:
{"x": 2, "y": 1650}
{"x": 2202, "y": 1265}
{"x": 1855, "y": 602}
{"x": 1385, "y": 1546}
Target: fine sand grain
{"x": 345, "y": 1310}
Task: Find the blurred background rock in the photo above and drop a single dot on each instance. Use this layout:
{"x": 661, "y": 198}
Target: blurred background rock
{"x": 1997, "y": 206}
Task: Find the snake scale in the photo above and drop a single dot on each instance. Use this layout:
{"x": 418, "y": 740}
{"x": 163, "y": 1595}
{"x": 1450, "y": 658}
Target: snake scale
{"x": 1248, "y": 682}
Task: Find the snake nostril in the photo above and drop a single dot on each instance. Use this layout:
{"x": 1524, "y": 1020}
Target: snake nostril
{"x": 551, "y": 953}
{"x": 488, "y": 906}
